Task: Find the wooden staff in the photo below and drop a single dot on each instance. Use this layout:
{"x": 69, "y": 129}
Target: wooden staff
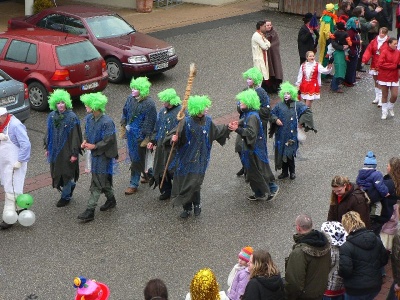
{"x": 181, "y": 115}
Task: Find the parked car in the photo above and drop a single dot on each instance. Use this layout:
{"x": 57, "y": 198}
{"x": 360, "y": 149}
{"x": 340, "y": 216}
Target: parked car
{"x": 46, "y": 60}
{"x": 127, "y": 52}
{"x": 14, "y": 96}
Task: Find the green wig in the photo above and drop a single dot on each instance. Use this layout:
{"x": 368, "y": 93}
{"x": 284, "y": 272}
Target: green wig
{"x": 58, "y": 96}
{"x": 198, "y": 104}
{"x": 250, "y": 99}
{"x": 96, "y": 101}
{"x": 254, "y": 74}
{"x": 287, "y": 87}
{"x": 142, "y": 84}
{"x": 170, "y": 96}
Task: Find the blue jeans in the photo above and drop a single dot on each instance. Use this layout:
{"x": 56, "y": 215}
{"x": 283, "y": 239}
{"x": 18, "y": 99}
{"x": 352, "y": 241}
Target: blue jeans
{"x": 273, "y": 187}
{"x": 66, "y": 192}
{"x": 135, "y": 178}
{"x": 340, "y": 297}
{"x": 335, "y": 83}
{"x": 369, "y": 296}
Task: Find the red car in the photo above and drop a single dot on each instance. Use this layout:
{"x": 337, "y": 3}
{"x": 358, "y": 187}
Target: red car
{"x": 127, "y": 52}
{"x": 46, "y": 60}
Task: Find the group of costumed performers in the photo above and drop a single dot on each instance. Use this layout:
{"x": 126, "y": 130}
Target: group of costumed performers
{"x": 327, "y": 27}
{"x": 166, "y": 121}
{"x": 15, "y": 149}
{"x": 62, "y": 143}
{"x": 100, "y": 138}
{"x": 253, "y": 146}
{"x": 138, "y": 119}
{"x": 309, "y": 78}
{"x": 194, "y": 137}
{"x": 287, "y": 118}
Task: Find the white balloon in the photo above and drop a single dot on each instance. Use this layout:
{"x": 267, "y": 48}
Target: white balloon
{"x": 26, "y": 217}
{"x": 10, "y": 216}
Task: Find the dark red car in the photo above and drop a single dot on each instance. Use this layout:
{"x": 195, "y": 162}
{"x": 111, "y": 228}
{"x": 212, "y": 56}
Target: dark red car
{"x": 46, "y": 60}
{"x": 127, "y": 52}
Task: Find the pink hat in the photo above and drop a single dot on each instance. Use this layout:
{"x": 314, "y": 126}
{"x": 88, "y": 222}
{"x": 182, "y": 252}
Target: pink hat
{"x": 90, "y": 289}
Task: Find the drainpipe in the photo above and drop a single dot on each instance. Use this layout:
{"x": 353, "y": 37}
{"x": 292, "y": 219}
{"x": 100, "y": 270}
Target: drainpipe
{"x": 28, "y": 7}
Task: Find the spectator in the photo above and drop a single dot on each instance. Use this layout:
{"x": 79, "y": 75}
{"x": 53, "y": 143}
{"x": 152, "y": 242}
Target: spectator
{"x": 345, "y": 197}
{"x": 365, "y": 27}
{"x": 240, "y": 275}
{"x": 353, "y": 26}
{"x": 259, "y": 47}
{"x": 308, "y": 265}
{"x": 274, "y": 60}
{"x": 369, "y": 14}
{"x": 337, "y": 234}
{"x": 204, "y": 286}
{"x": 265, "y": 279}
{"x": 362, "y": 257}
{"x": 155, "y": 289}
{"x": 307, "y": 39}
{"x": 389, "y": 229}
{"x": 345, "y": 11}
{"x": 395, "y": 259}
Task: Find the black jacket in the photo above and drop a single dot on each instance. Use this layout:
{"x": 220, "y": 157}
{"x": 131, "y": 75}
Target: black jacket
{"x": 261, "y": 288}
{"x": 305, "y": 42}
{"x": 361, "y": 258}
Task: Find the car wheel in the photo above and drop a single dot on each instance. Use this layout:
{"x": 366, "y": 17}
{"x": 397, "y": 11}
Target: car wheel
{"x": 114, "y": 69}
{"x": 38, "y": 96}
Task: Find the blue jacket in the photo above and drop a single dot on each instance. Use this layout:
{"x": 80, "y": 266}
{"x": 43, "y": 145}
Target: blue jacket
{"x": 371, "y": 181}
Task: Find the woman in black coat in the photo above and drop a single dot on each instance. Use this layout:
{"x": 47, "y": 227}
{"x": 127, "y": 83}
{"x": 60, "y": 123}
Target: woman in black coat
{"x": 265, "y": 280}
{"x": 307, "y": 39}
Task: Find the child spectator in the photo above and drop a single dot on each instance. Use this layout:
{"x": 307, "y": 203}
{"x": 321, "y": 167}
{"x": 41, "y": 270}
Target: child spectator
{"x": 155, "y": 289}
{"x": 342, "y": 38}
{"x": 240, "y": 275}
{"x": 335, "y": 288}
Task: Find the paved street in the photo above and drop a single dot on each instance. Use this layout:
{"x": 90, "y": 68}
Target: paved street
{"x": 144, "y": 238}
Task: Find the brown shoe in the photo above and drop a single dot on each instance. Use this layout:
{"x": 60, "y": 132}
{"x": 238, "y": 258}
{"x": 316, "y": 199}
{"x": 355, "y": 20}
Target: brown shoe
{"x": 130, "y": 191}
{"x": 144, "y": 180}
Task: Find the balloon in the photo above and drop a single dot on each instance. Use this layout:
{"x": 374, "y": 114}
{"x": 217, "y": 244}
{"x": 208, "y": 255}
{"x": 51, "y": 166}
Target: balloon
{"x": 26, "y": 218}
{"x": 24, "y": 200}
{"x": 10, "y": 216}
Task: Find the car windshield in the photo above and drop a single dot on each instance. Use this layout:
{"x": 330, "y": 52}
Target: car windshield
{"x": 109, "y": 26}
{"x": 76, "y": 53}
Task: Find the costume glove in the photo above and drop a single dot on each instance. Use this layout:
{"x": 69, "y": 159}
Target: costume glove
{"x": 3, "y": 137}
{"x": 17, "y": 165}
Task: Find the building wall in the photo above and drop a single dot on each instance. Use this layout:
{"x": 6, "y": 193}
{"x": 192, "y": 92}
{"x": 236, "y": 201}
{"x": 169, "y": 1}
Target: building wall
{"x": 132, "y": 3}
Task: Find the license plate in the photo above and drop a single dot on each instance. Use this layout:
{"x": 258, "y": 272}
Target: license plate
{"x": 90, "y": 86}
{"x": 7, "y": 100}
{"x": 161, "y": 66}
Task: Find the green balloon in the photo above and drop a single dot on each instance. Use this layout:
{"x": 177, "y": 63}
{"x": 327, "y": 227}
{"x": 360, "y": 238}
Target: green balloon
{"x": 24, "y": 201}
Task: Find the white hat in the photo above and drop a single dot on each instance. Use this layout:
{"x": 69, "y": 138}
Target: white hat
{"x": 3, "y": 111}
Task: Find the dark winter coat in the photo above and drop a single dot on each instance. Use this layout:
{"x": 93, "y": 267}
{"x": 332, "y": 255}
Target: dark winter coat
{"x": 368, "y": 13}
{"x": 353, "y": 200}
{"x": 395, "y": 258}
{"x": 362, "y": 257}
{"x": 307, "y": 267}
{"x": 371, "y": 181}
{"x": 261, "y": 288}
{"x": 305, "y": 41}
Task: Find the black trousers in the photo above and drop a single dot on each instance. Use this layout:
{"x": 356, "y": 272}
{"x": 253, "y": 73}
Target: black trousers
{"x": 288, "y": 167}
{"x": 195, "y": 201}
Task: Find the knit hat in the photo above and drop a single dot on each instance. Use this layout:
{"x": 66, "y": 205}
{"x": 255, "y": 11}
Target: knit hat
{"x": 198, "y": 104}
{"x": 170, "y": 96}
{"x": 142, "y": 84}
{"x": 90, "y": 289}
{"x": 335, "y": 231}
{"x": 250, "y": 99}
{"x": 370, "y": 160}
{"x": 307, "y": 17}
{"x": 245, "y": 253}
{"x": 3, "y": 111}
{"x": 254, "y": 74}
{"x": 287, "y": 87}
{"x": 204, "y": 285}
{"x": 57, "y": 96}
{"x": 96, "y": 101}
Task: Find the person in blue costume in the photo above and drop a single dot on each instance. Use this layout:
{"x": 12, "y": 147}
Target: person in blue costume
{"x": 100, "y": 138}
{"x": 63, "y": 144}
{"x": 139, "y": 116}
{"x": 254, "y": 154}
{"x": 166, "y": 121}
{"x": 286, "y": 118}
{"x": 194, "y": 137}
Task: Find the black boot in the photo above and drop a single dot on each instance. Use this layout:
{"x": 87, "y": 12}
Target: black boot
{"x": 241, "y": 172}
{"x": 87, "y": 215}
{"x": 62, "y": 202}
{"x": 4, "y": 225}
{"x": 110, "y": 203}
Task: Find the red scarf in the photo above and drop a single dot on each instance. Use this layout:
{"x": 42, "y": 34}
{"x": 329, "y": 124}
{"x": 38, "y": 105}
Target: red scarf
{"x": 4, "y": 125}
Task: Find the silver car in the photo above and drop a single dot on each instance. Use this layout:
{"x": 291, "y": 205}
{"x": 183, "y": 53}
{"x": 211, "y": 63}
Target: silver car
{"x": 14, "y": 96}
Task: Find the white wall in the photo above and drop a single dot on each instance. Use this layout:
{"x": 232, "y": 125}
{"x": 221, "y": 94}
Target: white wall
{"x": 132, "y": 3}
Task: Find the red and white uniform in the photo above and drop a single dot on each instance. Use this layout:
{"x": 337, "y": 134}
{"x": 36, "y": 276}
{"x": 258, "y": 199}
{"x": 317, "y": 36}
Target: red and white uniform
{"x": 374, "y": 49}
{"x": 309, "y": 79}
{"x": 388, "y": 72}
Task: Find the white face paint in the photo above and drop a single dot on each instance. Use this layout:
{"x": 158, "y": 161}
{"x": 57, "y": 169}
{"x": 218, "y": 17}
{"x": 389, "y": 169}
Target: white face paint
{"x": 61, "y": 107}
{"x": 135, "y": 93}
{"x": 88, "y": 109}
{"x": 250, "y": 82}
{"x": 286, "y": 96}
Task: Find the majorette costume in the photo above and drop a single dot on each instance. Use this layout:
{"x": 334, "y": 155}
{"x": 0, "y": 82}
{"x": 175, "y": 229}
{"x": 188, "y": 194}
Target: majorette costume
{"x": 62, "y": 141}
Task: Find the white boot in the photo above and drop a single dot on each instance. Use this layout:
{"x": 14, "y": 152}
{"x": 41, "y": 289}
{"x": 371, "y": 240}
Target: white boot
{"x": 379, "y": 97}
{"x": 375, "y": 101}
{"x": 390, "y": 108}
{"x": 384, "y": 111}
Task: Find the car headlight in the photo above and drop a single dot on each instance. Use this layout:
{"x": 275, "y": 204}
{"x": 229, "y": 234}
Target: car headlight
{"x": 171, "y": 51}
{"x": 137, "y": 59}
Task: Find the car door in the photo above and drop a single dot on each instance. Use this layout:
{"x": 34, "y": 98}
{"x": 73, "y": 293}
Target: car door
{"x": 20, "y": 58}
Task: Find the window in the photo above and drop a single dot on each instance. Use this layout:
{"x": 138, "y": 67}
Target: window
{"x": 54, "y": 22}
{"x": 76, "y": 53}
{"x": 23, "y": 52}
{"x": 74, "y": 26}
{"x": 2, "y": 44}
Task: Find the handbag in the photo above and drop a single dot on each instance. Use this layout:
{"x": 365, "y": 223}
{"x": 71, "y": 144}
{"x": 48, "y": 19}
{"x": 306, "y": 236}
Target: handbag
{"x": 301, "y": 134}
